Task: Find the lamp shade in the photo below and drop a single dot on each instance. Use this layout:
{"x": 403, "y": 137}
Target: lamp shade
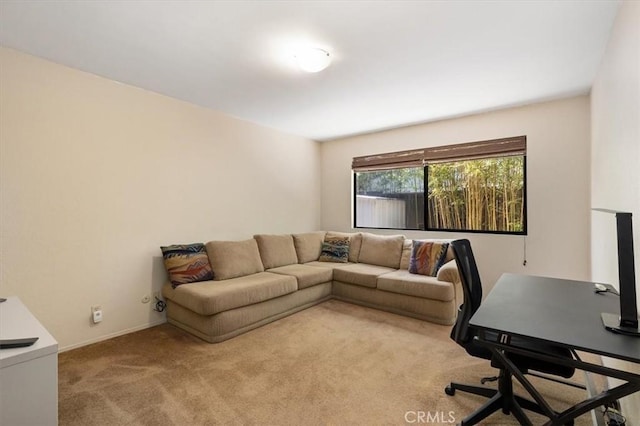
{"x": 313, "y": 59}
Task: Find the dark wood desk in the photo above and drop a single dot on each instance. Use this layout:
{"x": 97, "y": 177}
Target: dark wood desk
{"x": 564, "y": 313}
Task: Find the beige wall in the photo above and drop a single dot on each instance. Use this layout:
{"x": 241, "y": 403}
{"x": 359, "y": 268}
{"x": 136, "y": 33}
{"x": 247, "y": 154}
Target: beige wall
{"x": 615, "y": 146}
{"x": 557, "y": 184}
{"x": 96, "y": 175}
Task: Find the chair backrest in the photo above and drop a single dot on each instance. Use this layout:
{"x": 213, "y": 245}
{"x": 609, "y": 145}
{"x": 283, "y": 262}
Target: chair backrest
{"x": 471, "y": 289}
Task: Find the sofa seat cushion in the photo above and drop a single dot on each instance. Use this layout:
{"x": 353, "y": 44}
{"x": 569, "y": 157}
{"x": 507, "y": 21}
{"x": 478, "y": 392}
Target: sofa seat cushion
{"x": 426, "y": 287}
{"x": 211, "y": 297}
{"x": 306, "y": 275}
{"x": 361, "y": 274}
{"x": 329, "y": 265}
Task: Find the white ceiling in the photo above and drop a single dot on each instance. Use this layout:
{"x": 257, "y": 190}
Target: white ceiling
{"x": 394, "y": 62}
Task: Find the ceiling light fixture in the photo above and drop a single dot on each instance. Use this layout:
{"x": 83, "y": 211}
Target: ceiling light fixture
{"x": 313, "y": 59}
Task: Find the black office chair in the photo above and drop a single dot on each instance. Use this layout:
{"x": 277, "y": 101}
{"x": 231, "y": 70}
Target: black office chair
{"x": 502, "y": 398}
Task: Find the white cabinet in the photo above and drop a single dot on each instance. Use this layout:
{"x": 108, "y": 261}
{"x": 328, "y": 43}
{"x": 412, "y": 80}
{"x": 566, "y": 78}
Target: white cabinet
{"x": 29, "y": 375}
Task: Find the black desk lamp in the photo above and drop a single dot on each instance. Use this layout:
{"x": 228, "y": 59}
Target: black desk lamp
{"x": 627, "y": 321}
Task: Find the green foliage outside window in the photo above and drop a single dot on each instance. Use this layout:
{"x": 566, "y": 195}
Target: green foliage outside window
{"x": 477, "y": 195}
{"x": 390, "y": 181}
{"x": 485, "y": 195}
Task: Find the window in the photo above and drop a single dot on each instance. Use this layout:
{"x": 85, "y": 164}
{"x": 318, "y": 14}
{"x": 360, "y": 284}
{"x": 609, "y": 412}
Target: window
{"x": 390, "y": 198}
{"x": 474, "y": 187}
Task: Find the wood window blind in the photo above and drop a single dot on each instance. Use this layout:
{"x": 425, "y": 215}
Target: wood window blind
{"x": 390, "y": 160}
{"x": 516, "y": 145}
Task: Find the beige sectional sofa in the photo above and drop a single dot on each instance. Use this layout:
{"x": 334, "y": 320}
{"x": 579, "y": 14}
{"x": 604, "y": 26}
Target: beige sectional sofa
{"x": 268, "y": 277}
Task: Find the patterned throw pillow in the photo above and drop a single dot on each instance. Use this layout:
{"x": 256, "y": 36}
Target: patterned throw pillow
{"x": 335, "y": 249}
{"x": 427, "y": 257}
{"x": 187, "y": 263}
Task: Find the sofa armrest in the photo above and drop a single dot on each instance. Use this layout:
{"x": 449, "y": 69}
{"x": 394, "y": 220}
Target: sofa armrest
{"x": 449, "y": 272}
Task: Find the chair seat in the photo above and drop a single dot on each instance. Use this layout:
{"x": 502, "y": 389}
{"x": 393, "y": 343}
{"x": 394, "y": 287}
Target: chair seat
{"x": 524, "y": 362}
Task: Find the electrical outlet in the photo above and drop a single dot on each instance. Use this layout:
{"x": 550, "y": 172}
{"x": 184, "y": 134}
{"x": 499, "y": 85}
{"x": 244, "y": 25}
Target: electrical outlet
{"x": 96, "y": 314}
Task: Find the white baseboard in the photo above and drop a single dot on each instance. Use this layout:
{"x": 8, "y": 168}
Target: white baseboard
{"x": 112, "y": 335}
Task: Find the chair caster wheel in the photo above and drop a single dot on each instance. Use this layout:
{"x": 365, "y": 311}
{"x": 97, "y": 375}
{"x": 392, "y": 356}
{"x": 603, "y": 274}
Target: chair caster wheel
{"x": 449, "y": 390}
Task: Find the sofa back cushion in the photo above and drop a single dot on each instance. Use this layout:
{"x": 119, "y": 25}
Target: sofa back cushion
{"x": 382, "y": 250}
{"x": 230, "y": 259}
{"x": 355, "y": 242}
{"x": 276, "y": 250}
{"x": 308, "y": 245}
{"x": 406, "y": 254}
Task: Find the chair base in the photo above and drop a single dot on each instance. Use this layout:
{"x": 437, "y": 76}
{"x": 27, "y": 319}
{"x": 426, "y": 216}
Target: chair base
{"x": 502, "y": 398}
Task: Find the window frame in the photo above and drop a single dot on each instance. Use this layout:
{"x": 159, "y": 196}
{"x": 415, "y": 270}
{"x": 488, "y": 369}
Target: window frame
{"x": 515, "y": 146}
{"x": 355, "y": 208}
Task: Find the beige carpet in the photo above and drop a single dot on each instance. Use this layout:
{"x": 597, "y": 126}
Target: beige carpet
{"x": 334, "y": 363}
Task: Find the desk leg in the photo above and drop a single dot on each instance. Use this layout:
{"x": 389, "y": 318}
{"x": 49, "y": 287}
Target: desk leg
{"x": 632, "y": 384}
{"x": 599, "y": 400}
{"x": 596, "y": 418}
